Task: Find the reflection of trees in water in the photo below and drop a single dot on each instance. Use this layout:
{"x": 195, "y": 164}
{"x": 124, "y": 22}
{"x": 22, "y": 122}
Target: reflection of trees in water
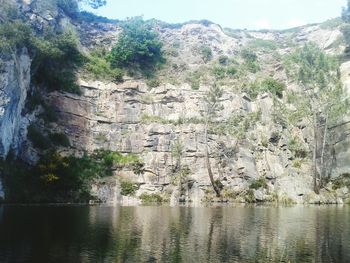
{"x": 180, "y": 234}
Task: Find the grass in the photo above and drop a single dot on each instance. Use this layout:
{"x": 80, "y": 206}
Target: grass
{"x": 152, "y": 198}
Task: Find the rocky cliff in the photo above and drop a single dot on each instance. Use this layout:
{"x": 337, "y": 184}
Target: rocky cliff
{"x": 137, "y": 116}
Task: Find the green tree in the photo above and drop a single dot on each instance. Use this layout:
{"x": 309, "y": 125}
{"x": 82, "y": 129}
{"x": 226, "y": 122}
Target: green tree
{"x": 211, "y": 108}
{"x": 321, "y": 101}
{"x": 138, "y": 46}
{"x": 345, "y": 15}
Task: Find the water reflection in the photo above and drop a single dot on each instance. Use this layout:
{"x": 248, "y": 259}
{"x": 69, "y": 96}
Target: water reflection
{"x": 178, "y": 234}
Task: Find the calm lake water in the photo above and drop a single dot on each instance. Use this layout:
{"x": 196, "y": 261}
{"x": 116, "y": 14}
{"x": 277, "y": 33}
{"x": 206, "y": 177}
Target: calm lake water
{"x": 174, "y": 234}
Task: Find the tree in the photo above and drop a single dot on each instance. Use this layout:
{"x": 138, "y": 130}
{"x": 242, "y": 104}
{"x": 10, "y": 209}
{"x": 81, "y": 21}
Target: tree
{"x": 345, "y": 15}
{"x": 321, "y": 101}
{"x": 94, "y": 3}
{"x": 211, "y": 107}
{"x": 138, "y": 45}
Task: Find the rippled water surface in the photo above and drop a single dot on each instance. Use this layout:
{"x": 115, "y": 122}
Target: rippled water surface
{"x": 174, "y": 234}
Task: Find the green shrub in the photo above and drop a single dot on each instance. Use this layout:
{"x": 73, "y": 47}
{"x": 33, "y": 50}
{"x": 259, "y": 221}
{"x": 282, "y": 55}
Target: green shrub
{"x": 37, "y": 138}
{"x": 266, "y": 45}
{"x": 98, "y": 67}
{"x": 206, "y": 53}
{"x": 14, "y": 35}
{"x": 56, "y": 61}
{"x": 138, "y": 45}
{"x": 231, "y": 71}
{"x": 297, "y": 163}
{"x": 49, "y": 114}
{"x": 270, "y": 85}
{"x": 151, "y": 198}
{"x": 128, "y": 188}
{"x": 223, "y": 60}
{"x": 153, "y": 82}
{"x": 273, "y": 86}
{"x": 193, "y": 78}
{"x": 249, "y": 196}
{"x": 295, "y": 145}
{"x": 259, "y": 183}
{"x": 249, "y": 56}
{"x": 219, "y": 72}
{"x": 59, "y": 139}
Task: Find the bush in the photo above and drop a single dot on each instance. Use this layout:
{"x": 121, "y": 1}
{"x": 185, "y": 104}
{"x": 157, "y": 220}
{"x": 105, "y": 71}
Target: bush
{"x": 153, "y": 83}
{"x": 37, "y": 138}
{"x": 14, "y": 35}
{"x": 219, "y": 72}
{"x": 128, "y": 188}
{"x": 273, "y": 86}
{"x": 59, "y": 139}
{"x": 151, "y": 198}
{"x": 259, "y": 183}
{"x": 138, "y": 45}
{"x": 249, "y": 56}
{"x": 56, "y": 60}
{"x": 231, "y": 71}
{"x": 270, "y": 85}
{"x": 266, "y": 45}
{"x": 206, "y": 53}
{"x": 295, "y": 145}
{"x": 223, "y": 60}
{"x": 59, "y": 179}
{"x": 98, "y": 67}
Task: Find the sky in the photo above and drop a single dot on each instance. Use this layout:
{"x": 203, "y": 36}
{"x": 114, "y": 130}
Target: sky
{"x": 237, "y": 14}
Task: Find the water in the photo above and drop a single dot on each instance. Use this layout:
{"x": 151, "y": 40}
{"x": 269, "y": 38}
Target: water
{"x": 179, "y": 234}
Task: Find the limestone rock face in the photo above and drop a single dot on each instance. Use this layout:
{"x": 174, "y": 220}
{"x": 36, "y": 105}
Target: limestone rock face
{"x": 14, "y": 84}
{"x": 132, "y": 117}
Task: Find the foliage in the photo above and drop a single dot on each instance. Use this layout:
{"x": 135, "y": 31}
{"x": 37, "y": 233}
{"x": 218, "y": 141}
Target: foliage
{"x": 153, "y": 83}
{"x": 259, "y": 183}
{"x": 194, "y": 79}
{"x": 266, "y": 45}
{"x": 56, "y": 60}
{"x": 249, "y": 56}
{"x": 206, "y": 53}
{"x": 151, "y": 198}
{"x": 341, "y": 181}
{"x": 270, "y": 85}
{"x": 223, "y": 60}
{"x": 219, "y": 72}
{"x": 58, "y": 178}
{"x": 345, "y": 15}
{"x": 37, "y": 138}
{"x": 332, "y": 23}
{"x": 251, "y": 60}
{"x": 249, "y": 196}
{"x": 137, "y": 46}
{"x": 238, "y": 124}
{"x": 321, "y": 101}
{"x": 14, "y": 34}
{"x": 99, "y": 67}
{"x": 128, "y": 187}
{"x": 59, "y": 139}
{"x": 295, "y": 145}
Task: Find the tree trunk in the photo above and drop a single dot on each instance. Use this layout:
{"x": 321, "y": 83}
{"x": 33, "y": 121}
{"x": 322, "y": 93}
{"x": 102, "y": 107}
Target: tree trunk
{"x": 210, "y": 172}
{"x": 323, "y": 169}
{"x": 314, "y": 157}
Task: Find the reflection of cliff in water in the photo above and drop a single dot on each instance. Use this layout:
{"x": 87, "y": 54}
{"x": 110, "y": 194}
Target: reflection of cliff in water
{"x": 179, "y": 234}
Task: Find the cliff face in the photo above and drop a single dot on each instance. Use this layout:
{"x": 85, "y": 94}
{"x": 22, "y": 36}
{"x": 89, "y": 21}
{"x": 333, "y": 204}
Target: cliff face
{"x": 133, "y": 117}
{"x": 14, "y": 84}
